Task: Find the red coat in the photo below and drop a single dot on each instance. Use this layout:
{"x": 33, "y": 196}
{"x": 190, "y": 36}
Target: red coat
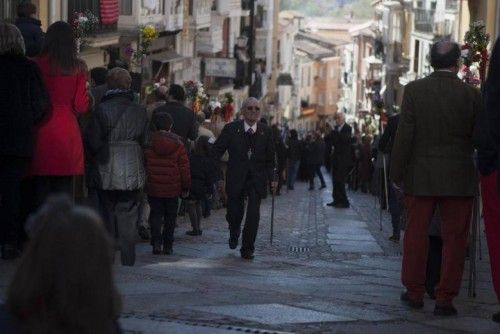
{"x": 167, "y": 166}
{"x": 58, "y": 146}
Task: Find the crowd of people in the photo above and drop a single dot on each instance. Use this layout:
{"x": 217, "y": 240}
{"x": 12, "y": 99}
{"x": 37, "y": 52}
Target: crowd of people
{"x": 86, "y": 134}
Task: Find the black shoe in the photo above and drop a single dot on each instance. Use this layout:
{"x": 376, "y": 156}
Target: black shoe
{"x": 332, "y": 204}
{"x": 342, "y": 206}
{"x": 233, "y": 243}
{"x": 194, "y": 233}
{"x": 445, "y": 310}
{"x": 167, "y": 250}
{"x": 411, "y": 303}
{"x": 143, "y": 232}
{"x": 156, "y": 249}
{"x": 394, "y": 238}
{"x": 247, "y": 255}
{"x": 496, "y": 317}
{"x": 323, "y": 186}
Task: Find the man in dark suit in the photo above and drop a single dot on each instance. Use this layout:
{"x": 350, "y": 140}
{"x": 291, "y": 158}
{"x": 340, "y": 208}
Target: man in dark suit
{"x": 395, "y": 207}
{"x": 342, "y": 160}
{"x": 185, "y": 124}
{"x": 432, "y": 161}
{"x": 250, "y": 167}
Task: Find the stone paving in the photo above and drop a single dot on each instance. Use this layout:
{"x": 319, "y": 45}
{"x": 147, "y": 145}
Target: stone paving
{"x": 328, "y": 271}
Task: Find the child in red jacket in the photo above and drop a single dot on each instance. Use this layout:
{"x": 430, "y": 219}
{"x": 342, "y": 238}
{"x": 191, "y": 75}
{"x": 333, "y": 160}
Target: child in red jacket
{"x": 168, "y": 177}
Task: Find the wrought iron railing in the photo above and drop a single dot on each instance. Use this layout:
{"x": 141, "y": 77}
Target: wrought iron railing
{"x": 424, "y": 20}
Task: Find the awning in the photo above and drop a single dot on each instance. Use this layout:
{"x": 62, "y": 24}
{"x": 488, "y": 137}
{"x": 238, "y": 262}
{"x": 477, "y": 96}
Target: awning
{"x": 285, "y": 79}
{"x": 166, "y": 57}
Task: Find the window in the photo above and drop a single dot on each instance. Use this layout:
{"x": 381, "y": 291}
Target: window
{"x": 308, "y": 76}
{"x": 126, "y": 7}
{"x": 321, "y": 101}
{"x": 322, "y": 72}
{"x": 332, "y": 99}
{"x": 332, "y": 72}
{"x": 151, "y": 7}
{"x": 416, "y": 55}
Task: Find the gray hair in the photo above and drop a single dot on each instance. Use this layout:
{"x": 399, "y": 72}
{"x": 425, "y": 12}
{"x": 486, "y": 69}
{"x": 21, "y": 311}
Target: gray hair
{"x": 118, "y": 78}
{"x": 248, "y": 101}
{"x": 11, "y": 40}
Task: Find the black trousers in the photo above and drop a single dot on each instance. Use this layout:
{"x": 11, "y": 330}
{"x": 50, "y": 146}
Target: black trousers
{"x": 52, "y": 184}
{"x": 12, "y": 170}
{"x": 235, "y": 212}
{"x": 316, "y": 170}
{"x": 339, "y": 193}
{"x": 163, "y": 213}
{"x": 120, "y": 211}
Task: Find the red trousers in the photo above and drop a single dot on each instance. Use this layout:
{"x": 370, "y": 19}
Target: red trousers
{"x": 491, "y": 209}
{"x": 455, "y": 214}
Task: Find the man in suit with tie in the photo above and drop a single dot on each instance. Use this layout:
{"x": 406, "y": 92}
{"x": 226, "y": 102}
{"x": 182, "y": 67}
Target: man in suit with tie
{"x": 342, "y": 160}
{"x": 250, "y": 167}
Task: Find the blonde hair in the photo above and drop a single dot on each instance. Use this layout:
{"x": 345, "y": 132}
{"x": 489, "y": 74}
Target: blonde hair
{"x": 11, "y": 40}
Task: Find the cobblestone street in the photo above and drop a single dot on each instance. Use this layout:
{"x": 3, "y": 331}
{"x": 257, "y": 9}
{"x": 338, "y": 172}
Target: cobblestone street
{"x": 328, "y": 271}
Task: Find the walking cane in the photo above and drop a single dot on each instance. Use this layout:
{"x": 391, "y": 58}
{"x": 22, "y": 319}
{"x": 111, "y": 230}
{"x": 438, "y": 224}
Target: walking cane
{"x": 275, "y": 178}
{"x": 386, "y": 191}
{"x": 473, "y": 249}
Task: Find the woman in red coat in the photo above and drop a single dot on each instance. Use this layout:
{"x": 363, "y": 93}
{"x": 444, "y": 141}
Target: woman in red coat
{"x": 58, "y": 150}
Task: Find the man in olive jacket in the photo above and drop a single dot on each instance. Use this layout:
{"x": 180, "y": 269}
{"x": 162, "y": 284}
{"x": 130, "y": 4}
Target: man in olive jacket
{"x": 432, "y": 161}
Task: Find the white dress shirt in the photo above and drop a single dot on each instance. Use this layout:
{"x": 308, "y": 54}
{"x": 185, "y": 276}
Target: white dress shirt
{"x": 253, "y": 127}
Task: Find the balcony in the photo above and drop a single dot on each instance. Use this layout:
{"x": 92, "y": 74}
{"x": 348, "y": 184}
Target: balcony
{"x": 174, "y": 15}
{"x": 424, "y": 20}
{"x": 210, "y": 40}
{"x": 200, "y": 11}
{"x": 451, "y": 5}
{"x": 227, "y": 7}
{"x": 75, "y": 6}
{"x": 261, "y": 42}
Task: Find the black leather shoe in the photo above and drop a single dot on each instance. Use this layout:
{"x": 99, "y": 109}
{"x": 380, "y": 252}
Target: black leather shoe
{"x": 342, "y": 205}
{"x": 496, "y": 317}
{"x": 445, "y": 310}
{"x": 167, "y": 250}
{"x": 233, "y": 243}
{"x": 156, "y": 249}
{"x": 247, "y": 255}
{"x": 322, "y": 187}
{"x": 332, "y": 204}
{"x": 416, "y": 304}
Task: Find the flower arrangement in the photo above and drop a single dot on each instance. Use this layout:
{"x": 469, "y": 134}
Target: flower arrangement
{"x": 475, "y": 54}
{"x": 83, "y": 23}
{"x": 227, "y": 107}
{"x": 147, "y": 34}
{"x": 195, "y": 93}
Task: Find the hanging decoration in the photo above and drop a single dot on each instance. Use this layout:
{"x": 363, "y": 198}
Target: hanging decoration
{"x": 227, "y": 107}
{"x": 475, "y": 54}
{"x": 110, "y": 11}
{"x": 83, "y": 23}
{"x": 195, "y": 94}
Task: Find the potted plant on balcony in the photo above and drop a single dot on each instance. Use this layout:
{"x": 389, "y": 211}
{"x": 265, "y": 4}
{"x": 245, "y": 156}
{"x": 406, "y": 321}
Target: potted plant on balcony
{"x": 83, "y": 23}
{"x": 475, "y": 54}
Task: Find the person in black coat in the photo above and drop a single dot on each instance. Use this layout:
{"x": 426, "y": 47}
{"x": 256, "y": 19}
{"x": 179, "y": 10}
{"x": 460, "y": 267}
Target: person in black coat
{"x": 294, "y": 153}
{"x": 23, "y": 104}
{"x": 30, "y": 28}
{"x": 395, "y": 206}
{"x": 487, "y": 140}
{"x": 342, "y": 160}
{"x": 185, "y": 124}
{"x": 280, "y": 148}
{"x": 250, "y": 167}
{"x": 202, "y": 182}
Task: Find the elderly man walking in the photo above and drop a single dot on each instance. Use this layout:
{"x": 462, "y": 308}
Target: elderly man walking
{"x": 432, "y": 162}
{"x": 250, "y": 167}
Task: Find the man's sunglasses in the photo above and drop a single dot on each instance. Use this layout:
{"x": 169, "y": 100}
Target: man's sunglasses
{"x": 253, "y": 108}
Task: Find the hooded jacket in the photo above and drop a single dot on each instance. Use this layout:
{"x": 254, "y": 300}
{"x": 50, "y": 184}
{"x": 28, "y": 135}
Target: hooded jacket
{"x": 167, "y": 166}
